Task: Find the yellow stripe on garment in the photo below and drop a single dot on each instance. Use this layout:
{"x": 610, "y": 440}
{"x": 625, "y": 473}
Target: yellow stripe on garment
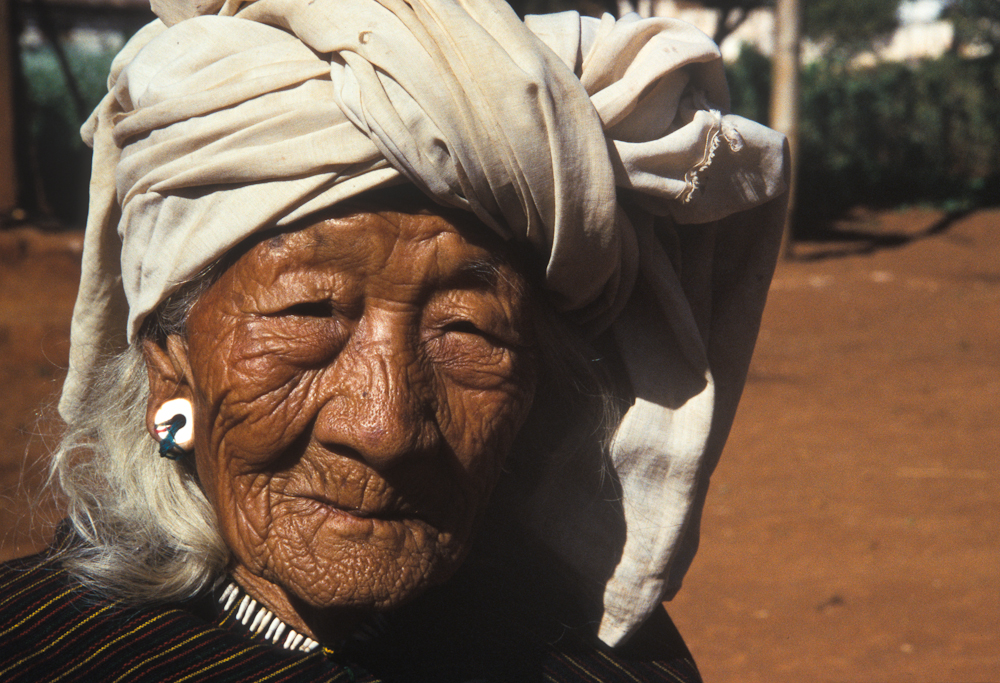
{"x": 52, "y": 644}
{"x": 234, "y": 656}
{"x": 278, "y": 672}
{"x": 33, "y": 614}
{"x": 664, "y": 669}
{"x": 618, "y": 666}
{"x": 160, "y": 655}
{"x": 572, "y": 663}
{"x": 10, "y": 596}
{"x": 214, "y": 664}
{"x": 106, "y": 646}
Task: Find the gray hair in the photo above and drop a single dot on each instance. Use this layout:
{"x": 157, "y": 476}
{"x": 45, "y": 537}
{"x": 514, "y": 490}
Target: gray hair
{"x": 144, "y": 530}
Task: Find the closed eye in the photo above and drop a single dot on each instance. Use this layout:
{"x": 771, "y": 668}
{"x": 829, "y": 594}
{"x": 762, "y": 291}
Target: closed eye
{"x": 465, "y": 327}
{"x": 309, "y": 309}
{"x": 469, "y": 327}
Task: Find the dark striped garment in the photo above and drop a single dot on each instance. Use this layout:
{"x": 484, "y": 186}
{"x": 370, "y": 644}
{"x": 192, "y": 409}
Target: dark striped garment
{"x": 54, "y": 629}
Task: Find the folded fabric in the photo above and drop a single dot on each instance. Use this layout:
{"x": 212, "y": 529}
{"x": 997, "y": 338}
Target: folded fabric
{"x": 603, "y": 144}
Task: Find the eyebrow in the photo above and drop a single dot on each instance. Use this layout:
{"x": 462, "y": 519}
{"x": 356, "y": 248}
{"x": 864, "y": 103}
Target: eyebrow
{"x": 479, "y": 273}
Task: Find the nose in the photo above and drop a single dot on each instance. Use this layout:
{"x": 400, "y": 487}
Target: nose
{"x": 378, "y": 405}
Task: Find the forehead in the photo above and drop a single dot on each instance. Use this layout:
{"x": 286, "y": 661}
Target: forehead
{"x": 425, "y": 247}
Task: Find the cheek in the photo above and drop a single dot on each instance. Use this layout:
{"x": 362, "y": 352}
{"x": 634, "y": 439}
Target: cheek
{"x": 252, "y": 397}
{"x": 481, "y": 425}
{"x": 251, "y": 410}
{"x": 254, "y": 420}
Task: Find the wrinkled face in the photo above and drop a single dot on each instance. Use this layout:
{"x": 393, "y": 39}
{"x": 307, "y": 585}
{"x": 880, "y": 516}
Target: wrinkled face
{"x": 357, "y": 385}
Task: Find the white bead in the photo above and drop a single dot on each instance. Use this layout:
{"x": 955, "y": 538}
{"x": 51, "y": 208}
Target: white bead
{"x": 243, "y": 607}
{"x": 261, "y": 621}
{"x": 226, "y": 593}
{"x": 232, "y": 597}
{"x": 251, "y": 608}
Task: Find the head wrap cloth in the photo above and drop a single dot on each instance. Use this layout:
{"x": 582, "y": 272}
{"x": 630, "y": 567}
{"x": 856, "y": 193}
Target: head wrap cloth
{"x": 589, "y": 139}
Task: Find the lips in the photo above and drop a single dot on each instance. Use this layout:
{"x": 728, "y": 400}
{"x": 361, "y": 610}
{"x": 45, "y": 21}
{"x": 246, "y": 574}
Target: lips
{"x": 344, "y": 486}
{"x": 386, "y": 513}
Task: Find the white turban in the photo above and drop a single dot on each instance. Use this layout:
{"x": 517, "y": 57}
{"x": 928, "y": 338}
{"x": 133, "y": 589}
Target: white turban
{"x": 591, "y": 140}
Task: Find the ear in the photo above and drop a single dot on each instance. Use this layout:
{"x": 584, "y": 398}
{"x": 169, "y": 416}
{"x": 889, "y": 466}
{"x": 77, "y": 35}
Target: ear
{"x": 169, "y": 374}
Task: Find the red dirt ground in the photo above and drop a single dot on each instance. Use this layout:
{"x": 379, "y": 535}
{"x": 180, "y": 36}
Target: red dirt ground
{"x": 853, "y": 528}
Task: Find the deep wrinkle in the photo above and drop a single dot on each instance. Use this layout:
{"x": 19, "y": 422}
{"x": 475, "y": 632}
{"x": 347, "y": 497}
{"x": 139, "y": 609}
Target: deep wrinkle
{"x": 357, "y": 385}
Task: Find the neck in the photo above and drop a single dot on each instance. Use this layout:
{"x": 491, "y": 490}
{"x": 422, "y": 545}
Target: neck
{"x": 326, "y": 626}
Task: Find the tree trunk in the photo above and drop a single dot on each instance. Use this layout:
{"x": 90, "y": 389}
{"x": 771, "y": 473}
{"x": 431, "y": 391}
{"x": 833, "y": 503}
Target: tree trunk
{"x": 8, "y": 175}
{"x": 785, "y": 93}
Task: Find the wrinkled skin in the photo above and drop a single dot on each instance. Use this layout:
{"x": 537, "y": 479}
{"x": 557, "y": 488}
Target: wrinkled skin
{"x": 356, "y": 385}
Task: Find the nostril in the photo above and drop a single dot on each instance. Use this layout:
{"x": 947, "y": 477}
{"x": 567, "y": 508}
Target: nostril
{"x": 375, "y": 401}
{"x": 375, "y": 427}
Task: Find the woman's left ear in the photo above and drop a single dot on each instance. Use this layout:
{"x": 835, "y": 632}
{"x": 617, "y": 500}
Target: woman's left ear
{"x": 173, "y": 426}
{"x": 169, "y": 411}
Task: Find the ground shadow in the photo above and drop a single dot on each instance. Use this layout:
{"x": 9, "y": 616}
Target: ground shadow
{"x": 836, "y": 240}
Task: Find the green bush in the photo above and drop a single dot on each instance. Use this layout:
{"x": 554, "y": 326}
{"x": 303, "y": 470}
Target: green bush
{"x": 750, "y": 84}
{"x": 890, "y": 134}
{"x": 59, "y": 160}
{"x": 882, "y": 136}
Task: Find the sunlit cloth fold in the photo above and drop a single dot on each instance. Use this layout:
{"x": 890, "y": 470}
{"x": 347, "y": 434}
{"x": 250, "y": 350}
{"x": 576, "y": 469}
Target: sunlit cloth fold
{"x": 590, "y": 140}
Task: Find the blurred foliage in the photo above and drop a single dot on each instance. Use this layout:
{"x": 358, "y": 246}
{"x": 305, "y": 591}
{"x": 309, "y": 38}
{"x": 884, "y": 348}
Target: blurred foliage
{"x": 888, "y": 135}
{"x": 592, "y": 8}
{"x": 850, "y": 25}
{"x": 732, "y": 13}
{"x": 885, "y": 135}
{"x": 58, "y": 157}
{"x": 750, "y": 84}
{"x": 977, "y": 22}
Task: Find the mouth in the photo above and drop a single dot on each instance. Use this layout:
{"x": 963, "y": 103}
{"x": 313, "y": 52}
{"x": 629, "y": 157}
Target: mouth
{"x": 387, "y": 513}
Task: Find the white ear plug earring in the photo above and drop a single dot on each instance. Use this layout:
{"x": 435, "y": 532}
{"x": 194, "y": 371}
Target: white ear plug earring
{"x": 174, "y": 426}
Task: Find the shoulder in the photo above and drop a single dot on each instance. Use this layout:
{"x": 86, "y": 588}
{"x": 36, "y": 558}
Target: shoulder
{"x": 485, "y": 625}
{"x": 655, "y": 654}
{"x": 55, "y": 628}
{"x": 602, "y": 666}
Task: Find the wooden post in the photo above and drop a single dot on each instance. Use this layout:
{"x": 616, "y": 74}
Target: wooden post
{"x": 8, "y": 170}
{"x": 785, "y": 93}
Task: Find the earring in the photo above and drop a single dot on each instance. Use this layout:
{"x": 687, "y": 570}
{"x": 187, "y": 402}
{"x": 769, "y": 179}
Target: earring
{"x": 174, "y": 426}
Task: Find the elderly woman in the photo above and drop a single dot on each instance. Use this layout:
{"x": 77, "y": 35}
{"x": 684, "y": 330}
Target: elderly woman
{"x": 407, "y": 339}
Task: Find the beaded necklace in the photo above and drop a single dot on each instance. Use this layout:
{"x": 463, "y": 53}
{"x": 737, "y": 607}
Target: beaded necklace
{"x": 261, "y": 621}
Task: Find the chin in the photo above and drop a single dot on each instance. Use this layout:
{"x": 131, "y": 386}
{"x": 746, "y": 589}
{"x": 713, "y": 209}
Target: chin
{"x": 392, "y": 564}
